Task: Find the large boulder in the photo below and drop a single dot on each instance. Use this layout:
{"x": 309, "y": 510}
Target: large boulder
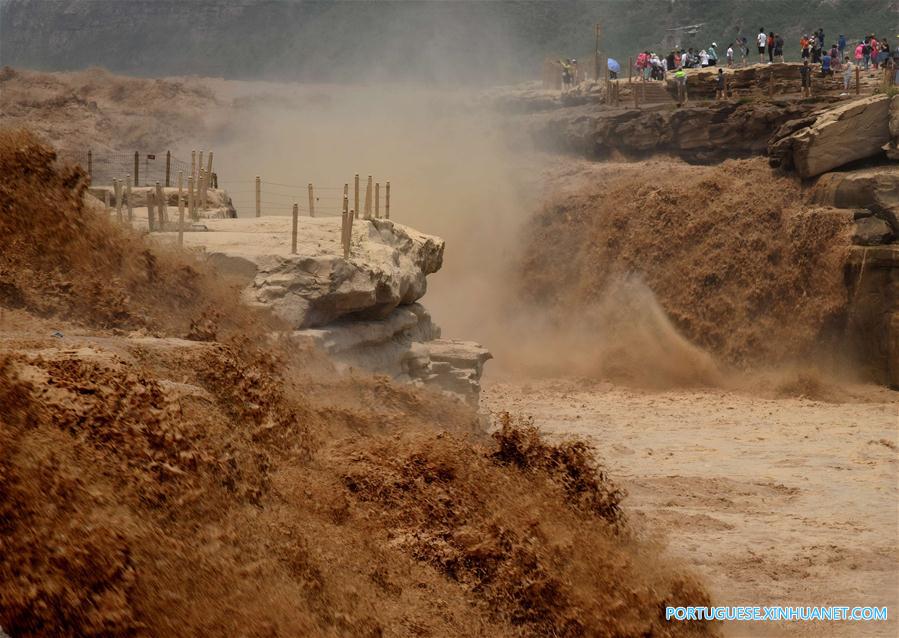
{"x": 848, "y": 132}
{"x": 892, "y": 148}
{"x": 407, "y": 346}
{"x": 387, "y": 266}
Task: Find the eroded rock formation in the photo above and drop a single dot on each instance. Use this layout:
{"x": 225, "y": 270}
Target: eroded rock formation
{"x": 362, "y": 311}
{"x": 856, "y": 130}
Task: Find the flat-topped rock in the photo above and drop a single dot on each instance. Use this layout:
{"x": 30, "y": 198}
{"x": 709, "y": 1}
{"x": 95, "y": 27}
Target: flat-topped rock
{"x": 876, "y": 189}
{"x": 387, "y": 266}
{"x": 839, "y": 135}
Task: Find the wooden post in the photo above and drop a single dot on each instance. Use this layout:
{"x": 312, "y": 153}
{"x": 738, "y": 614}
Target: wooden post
{"x": 90, "y": 163}
{"x": 160, "y": 204}
{"x": 258, "y": 196}
{"x": 387, "y": 201}
{"x": 378, "y": 200}
{"x": 180, "y": 208}
{"x": 345, "y": 226}
{"x": 293, "y": 231}
{"x": 136, "y": 168}
{"x": 201, "y": 190}
{"x": 858, "y": 88}
{"x": 193, "y": 165}
{"x": 180, "y": 197}
{"x": 311, "y": 202}
{"x": 207, "y": 181}
{"x": 368, "y": 194}
{"x": 117, "y": 184}
{"x": 128, "y": 197}
{"x": 356, "y": 197}
{"x": 199, "y": 168}
{"x": 150, "y": 212}
{"x": 168, "y": 169}
{"x": 190, "y": 197}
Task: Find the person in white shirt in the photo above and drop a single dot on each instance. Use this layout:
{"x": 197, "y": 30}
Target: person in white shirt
{"x": 762, "y": 40}
{"x": 848, "y": 70}
{"x": 730, "y": 55}
{"x": 704, "y": 58}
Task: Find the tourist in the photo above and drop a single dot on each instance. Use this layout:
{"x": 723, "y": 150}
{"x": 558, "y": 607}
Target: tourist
{"x": 859, "y": 53}
{"x": 866, "y": 52}
{"x": 848, "y": 68}
{"x": 762, "y": 41}
{"x": 825, "y": 65}
{"x": 835, "y": 57}
{"x": 805, "y": 72}
{"x": 778, "y": 48}
{"x": 566, "y": 73}
{"x": 884, "y": 51}
{"x": 680, "y": 78}
{"x": 719, "y": 85}
{"x": 713, "y": 54}
{"x": 770, "y": 44}
{"x": 730, "y": 55}
{"x": 875, "y": 50}
{"x": 805, "y": 45}
{"x": 703, "y": 58}
{"x": 841, "y": 45}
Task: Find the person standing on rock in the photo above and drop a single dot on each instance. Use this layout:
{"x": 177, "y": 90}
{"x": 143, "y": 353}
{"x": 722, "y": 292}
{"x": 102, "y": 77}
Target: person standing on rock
{"x": 859, "y": 53}
{"x": 805, "y": 72}
{"x": 848, "y": 69}
{"x": 680, "y": 79}
{"x": 762, "y": 41}
{"x": 713, "y": 54}
{"x": 825, "y": 65}
{"x": 719, "y": 85}
{"x": 778, "y": 48}
{"x": 770, "y": 43}
{"x": 841, "y": 45}
{"x": 730, "y": 55}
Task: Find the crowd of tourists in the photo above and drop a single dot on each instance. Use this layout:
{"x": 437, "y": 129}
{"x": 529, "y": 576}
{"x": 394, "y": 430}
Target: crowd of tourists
{"x": 868, "y": 52}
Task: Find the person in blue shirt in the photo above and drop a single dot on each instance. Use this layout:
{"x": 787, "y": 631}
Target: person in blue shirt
{"x": 841, "y": 45}
{"x": 825, "y": 64}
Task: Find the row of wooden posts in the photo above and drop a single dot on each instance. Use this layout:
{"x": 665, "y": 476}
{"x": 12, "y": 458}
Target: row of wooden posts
{"x": 196, "y": 168}
{"x": 157, "y": 209}
{"x": 372, "y": 198}
{"x": 372, "y": 209}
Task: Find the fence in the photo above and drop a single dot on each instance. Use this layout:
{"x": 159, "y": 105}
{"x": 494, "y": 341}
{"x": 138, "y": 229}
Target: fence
{"x": 105, "y": 166}
{"x": 263, "y": 197}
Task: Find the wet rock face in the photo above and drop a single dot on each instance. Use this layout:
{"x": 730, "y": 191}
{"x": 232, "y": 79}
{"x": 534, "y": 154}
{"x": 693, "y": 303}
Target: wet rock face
{"x": 871, "y": 231}
{"x": 696, "y": 134}
{"x": 875, "y": 189}
{"x": 856, "y": 130}
{"x": 407, "y": 346}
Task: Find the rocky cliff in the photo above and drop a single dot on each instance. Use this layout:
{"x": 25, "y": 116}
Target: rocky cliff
{"x": 361, "y": 310}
